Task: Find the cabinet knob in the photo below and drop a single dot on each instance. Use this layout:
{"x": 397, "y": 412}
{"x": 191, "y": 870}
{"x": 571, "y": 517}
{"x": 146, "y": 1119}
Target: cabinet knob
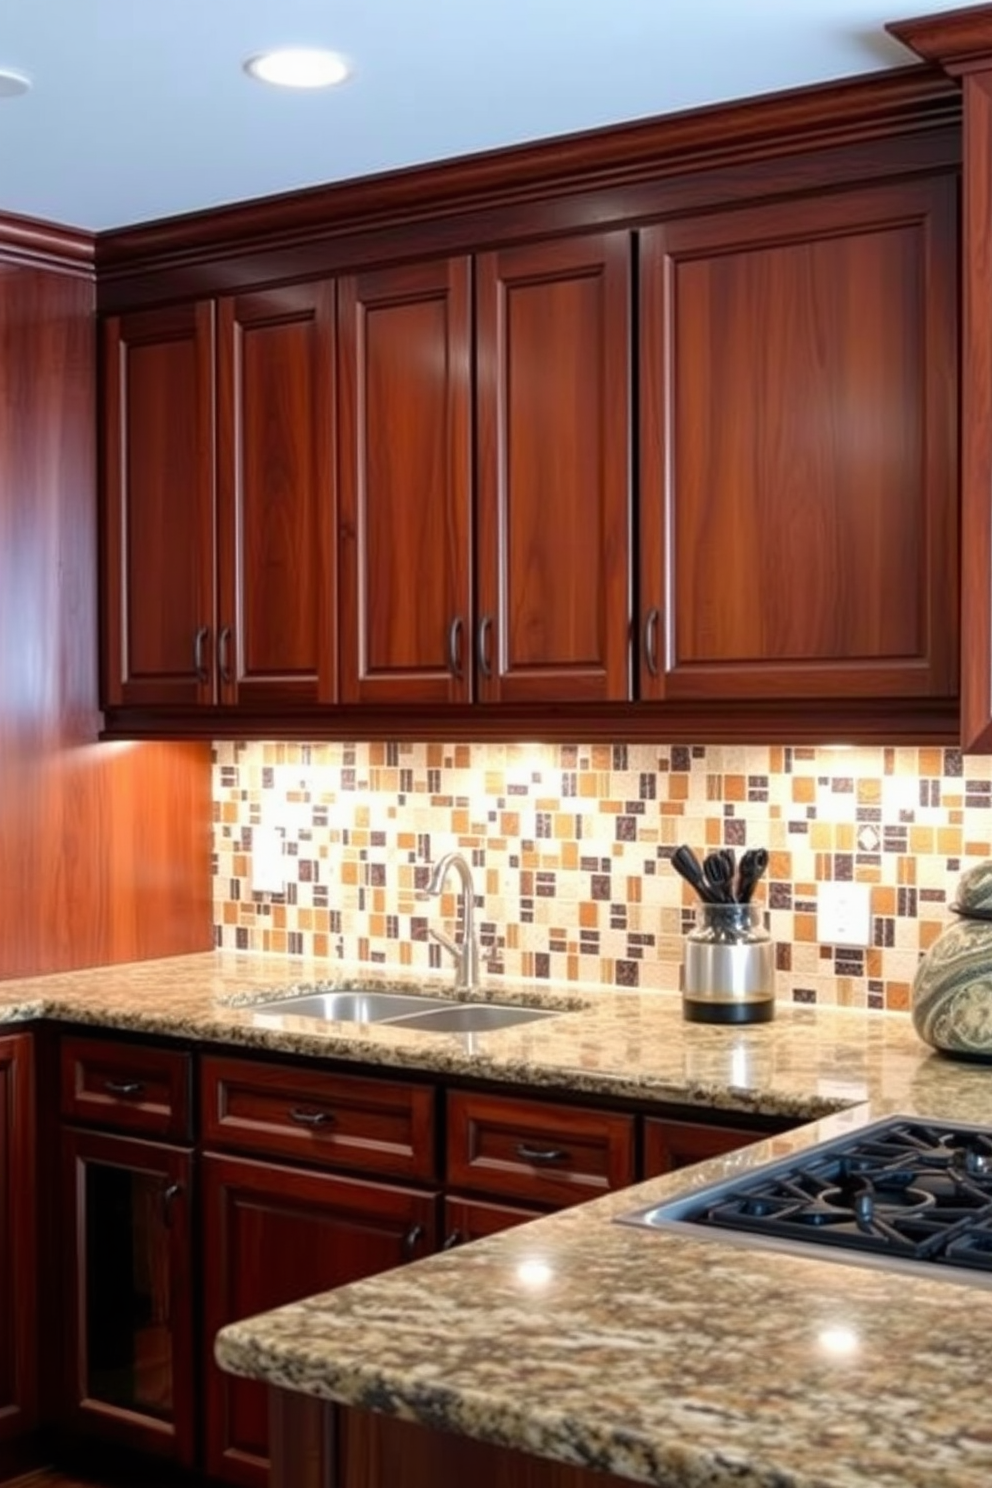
{"x": 484, "y": 646}
{"x": 199, "y": 653}
{"x": 413, "y": 1234}
{"x": 540, "y": 1154}
{"x": 651, "y": 640}
{"x": 125, "y": 1088}
{"x": 455, "y": 665}
{"x": 224, "y": 653}
{"x": 455, "y": 1238}
{"x": 310, "y": 1118}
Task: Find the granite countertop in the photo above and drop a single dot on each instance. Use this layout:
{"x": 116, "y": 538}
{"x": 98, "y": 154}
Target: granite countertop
{"x": 664, "y": 1359}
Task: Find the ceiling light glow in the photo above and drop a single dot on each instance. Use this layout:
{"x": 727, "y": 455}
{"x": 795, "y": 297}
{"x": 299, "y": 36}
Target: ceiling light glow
{"x": 299, "y": 67}
{"x": 13, "y": 84}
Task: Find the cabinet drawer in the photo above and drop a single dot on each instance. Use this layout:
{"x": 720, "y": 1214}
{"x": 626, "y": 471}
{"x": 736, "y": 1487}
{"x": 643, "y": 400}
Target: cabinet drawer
{"x": 130, "y": 1087}
{"x": 382, "y": 1126}
{"x": 552, "y": 1154}
{"x": 676, "y": 1144}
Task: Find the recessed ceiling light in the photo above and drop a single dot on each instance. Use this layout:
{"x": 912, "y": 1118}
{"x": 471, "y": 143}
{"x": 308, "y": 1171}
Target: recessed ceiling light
{"x": 299, "y": 67}
{"x": 13, "y": 84}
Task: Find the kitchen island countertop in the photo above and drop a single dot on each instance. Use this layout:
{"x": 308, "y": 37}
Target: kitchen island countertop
{"x": 659, "y": 1358}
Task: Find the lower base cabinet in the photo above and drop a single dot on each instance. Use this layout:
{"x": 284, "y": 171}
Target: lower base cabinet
{"x": 129, "y": 1290}
{"x": 18, "y": 1242}
{"x": 273, "y": 1235}
{"x": 325, "y": 1446}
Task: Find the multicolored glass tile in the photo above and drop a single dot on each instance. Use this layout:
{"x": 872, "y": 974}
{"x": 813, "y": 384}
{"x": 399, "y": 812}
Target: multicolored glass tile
{"x": 570, "y": 848}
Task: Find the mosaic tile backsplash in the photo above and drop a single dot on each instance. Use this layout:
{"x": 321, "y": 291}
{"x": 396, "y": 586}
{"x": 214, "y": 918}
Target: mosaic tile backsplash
{"x": 570, "y": 847}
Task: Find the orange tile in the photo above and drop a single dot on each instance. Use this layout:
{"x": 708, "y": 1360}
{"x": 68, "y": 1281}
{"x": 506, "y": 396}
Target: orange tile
{"x": 589, "y": 914}
{"x": 931, "y": 762}
{"x": 883, "y": 900}
{"x": 805, "y": 927}
{"x": 928, "y": 932}
{"x": 897, "y": 997}
{"x": 734, "y": 788}
{"x": 509, "y": 823}
{"x": 678, "y": 788}
{"x": 804, "y": 789}
{"x": 780, "y": 865}
{"x": 921, "y": 840}
{"x": 949, "y": 842}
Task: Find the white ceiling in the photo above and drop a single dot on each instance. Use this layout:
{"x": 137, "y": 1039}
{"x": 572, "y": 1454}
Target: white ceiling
{"x": 140, "y": 109}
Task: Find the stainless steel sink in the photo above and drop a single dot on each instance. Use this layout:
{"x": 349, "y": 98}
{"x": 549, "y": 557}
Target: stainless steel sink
{"x": 400, "y": 1010}
{"x": 472, "y": 1017}
{"x": 351, "y": 1006}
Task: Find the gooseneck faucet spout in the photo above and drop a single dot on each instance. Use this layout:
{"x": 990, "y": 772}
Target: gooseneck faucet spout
{"x": 466, "y": 953}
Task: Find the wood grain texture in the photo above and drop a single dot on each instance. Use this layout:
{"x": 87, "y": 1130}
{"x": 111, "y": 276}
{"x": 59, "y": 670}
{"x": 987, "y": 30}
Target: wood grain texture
{"x": 274, "y": 1235}
{"x": 553, "y": 337}
{"x": 564, "y": 185}
{"x": 104, "y": 853}
{"x": 277, "y": 611}
{"x": 19, "y": 1278}
{"x": 168, "y": 1250}
{"x": 798, "y": 447}
{"x": 405, "y": 381}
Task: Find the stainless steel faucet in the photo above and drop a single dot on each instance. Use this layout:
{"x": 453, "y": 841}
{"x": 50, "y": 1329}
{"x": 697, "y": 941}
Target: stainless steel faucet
{"x": 466, "y": 953}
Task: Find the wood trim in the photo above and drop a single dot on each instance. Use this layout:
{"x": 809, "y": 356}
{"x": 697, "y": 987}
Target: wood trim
{"x": 29, "y": 242}
{"x": 847, "y": 721}
{"x": 958, "y": 40}
{"x": 302, "y": 1433}
{"x": 865, "y": 129}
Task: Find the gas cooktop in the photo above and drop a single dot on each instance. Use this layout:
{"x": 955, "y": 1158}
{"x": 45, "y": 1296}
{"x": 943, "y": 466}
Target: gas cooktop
{"x": 902, "y": 1192}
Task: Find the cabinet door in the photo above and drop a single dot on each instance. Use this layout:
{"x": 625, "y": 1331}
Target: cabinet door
{"x": 273, "y": 1235}
{"x": 553, "y": 375}
{"x": 129, "y": 1318}
{"x": 276, "y": 640}
{"x": 798, "y": 449}
{"x": 466, "y": 1220}
{"x": 677, "y": 1144}
{"x": 406, "y": 473}
{"x": 158, "y": 474}
{"x": 18, "y": 1240}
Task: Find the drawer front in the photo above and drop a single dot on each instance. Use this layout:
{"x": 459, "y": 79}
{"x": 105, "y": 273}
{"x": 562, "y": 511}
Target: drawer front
{"x": 343, "y": 1121}
{"x": 677, "y": 1144}
{"x": 549, "y": 1153}
{"x": 129, "y": 1087}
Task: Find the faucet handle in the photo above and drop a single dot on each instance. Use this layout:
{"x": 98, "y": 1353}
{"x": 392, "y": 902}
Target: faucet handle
{"x": 446, "y": 941}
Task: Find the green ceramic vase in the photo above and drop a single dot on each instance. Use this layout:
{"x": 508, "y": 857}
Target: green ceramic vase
{"x": 952, "y": 989}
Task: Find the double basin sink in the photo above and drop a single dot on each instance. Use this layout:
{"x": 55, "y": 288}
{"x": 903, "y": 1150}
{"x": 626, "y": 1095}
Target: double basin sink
{"x": 402, "y": 1010}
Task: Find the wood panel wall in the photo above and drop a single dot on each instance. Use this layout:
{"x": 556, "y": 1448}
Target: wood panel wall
{"x": 104, "y": 849}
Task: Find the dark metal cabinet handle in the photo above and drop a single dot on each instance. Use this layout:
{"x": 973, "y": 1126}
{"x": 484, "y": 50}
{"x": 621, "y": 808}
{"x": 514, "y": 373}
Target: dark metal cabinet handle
{"x": 455, "y": 648}
{"x": 413, "y": 1234}
{"x": 484, "y": 636}
{"x": 168, "y": 1199}
{"x": 123, "y": 1087}
{"x": 199, "y": 653}
{"x": 310, "y": 1118}
{"x": 540, "y": 1154}
{"x": 651, "y": 640}
{"x": 224, "y": 653}
{"x": 455, "y": 1238}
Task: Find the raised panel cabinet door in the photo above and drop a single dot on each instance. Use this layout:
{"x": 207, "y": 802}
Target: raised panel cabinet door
{"x": 276, "y": 636}
{"x": 273, "y": 1235}
{"x": 406, "y": 484}
{"x": 553, "y": 390}
{"x": 799, "y": 506}
{"x": 128, "y": 1335}
{"x": 158, "y": 507}
{"x": 18, "y": 1240}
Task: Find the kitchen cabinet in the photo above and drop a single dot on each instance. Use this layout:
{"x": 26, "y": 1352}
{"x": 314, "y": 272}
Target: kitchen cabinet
{"x": 219, "y": 515}
{"x": 275, "y": 1234}
{"x": 521, "y": 596}
{"x": 798, "y": 434}
{"x": 677, "y": 1144}
{"x": 466, "y": 1220}
{"x": 548, "y": 1152}
{"x": 18, "y": 1240}
{"x": 126, "y": 1206}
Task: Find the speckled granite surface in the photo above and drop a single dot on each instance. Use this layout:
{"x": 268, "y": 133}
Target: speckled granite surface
{"x": 679, "y": 1362}
{"x": 806, "y": 1063}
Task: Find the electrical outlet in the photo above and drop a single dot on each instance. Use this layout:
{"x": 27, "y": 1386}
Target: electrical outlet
{"x": 267, "y": 873}
{"x": 843, "y": 914}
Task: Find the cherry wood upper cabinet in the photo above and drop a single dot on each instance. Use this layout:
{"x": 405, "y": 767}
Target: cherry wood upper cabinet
{"x": 276, "y": 614}
{"x": 405, "y": 384}
{"x": 798, "y": 438}
{"x": 553, "y": 378}
{"x": 158, "y": 473}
